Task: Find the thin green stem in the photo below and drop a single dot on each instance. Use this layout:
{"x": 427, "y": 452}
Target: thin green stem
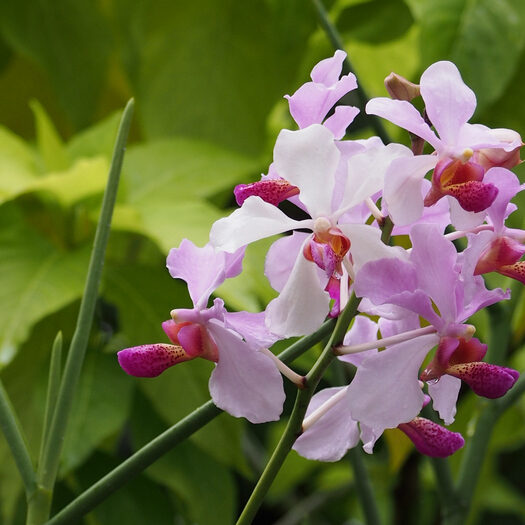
{"x": 55, "y": 372}
{"x": 48, "y": 469}
{"x": 148, "y": 454}
{"x": 293, "y": 428}
{"x": 363, "y": 487}
{"x": 16, "y": 441}
{"x": 337, "y": 42}
{"x": 135, "y": 464}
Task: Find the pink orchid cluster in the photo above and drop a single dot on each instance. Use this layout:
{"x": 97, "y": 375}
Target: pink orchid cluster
{"x": 418, "y": 298}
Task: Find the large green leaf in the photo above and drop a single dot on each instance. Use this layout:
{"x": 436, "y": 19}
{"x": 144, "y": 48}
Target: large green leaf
{"x": 39, "y": 278}
{"x": 212, "y": 70}
{"x": 70, "y": 40}
{"x": 484, "y": 38}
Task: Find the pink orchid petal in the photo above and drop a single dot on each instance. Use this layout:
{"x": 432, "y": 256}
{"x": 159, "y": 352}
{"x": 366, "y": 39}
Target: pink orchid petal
{"x": 444, "y": 396}
{"x": 255, "y": 220}
{"x": 449, "y": 103}
{"x": 252, "y": 327}
{"x": 434, "y": 258}
{"x": 385, "y": 390}
{"x": 485, "y": 379}
{"x": 245, "y": 382}
{"x": 327, "y": 71}
{"x": 342, "y": 118}
{"x": 281, "y": 258}
{"x": 432, "y": 439}
{"x": 363, "y": 330}
{"x": 508, "y": 187}
{"x": 402, "y": 192}
{"x": 462, "y": 219}
{"x": 302, "y": 305}
{"x": 330, "y": 437}
{"x": 404, "y": 115}
{"x": 308, "y": 158}
{"x": 203, "y": 269}
{"x": 151, "y": 360}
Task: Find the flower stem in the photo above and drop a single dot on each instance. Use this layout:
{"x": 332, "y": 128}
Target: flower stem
{"x": 364, "y": 487}
{"x": 135, "y": 464}
{"x": 48, "y": 468}
{"x": 335, "y": 39}
{"x": 16, "y": 441}
{"x": 386, "y": 341}
{"x": 293, "y": 428}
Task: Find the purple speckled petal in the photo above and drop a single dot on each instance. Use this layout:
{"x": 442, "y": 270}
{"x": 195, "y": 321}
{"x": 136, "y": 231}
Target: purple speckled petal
{"x": 485, "y": 379}
{"x": 245, "y": 382}
{"x": 151, "y": 360}
{"x": 269, "y": 190}
{"x": 432, "y": 439}
{"x": 449, "y": 103}
{"x": 330, "y": 437}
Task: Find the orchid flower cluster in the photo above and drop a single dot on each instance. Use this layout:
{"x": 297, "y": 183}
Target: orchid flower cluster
{"x": 357, "y": 194}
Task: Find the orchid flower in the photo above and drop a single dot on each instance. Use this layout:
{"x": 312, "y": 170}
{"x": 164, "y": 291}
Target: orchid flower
{"x": 245, "y": 381}
{"x": 308, "y": 159}
{"x": 501, "y": 249}
{"x": 431, "y": 280}
{"x": 463, "y": 151}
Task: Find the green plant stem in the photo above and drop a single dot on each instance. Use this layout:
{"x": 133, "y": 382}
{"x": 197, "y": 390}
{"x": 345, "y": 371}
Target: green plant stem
{"x": 364, "y": 488}
{"x": 55, "y": 371}
{"x": 47, "y": 470}
{"x": 293, "y": 428}
{"x": 148, "y": 454}
{"x": 15, "y": 439}
{"x": 135, "y": 464}
{"x": 337, "y": 42}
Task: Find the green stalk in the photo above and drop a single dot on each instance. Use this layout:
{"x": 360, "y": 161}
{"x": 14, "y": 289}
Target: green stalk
{"x": 364, "y": 487}
{"x": 293, "y": 428}
{"x": 16, "y": 441}
{"x": 47, "y": 470}
{"x": 53, "y": 385}
{"x": 335, "y": 39}
{"x": 148, "y": 454}
{"x": 135, "y": 464}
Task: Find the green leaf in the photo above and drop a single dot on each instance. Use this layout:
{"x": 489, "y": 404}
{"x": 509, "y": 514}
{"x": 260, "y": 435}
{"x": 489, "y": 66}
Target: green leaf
{"x": 166, "y": 182}
{"x": 18, "y": 167}
{"x": 205, "y": 485}
{"x": 482, "y": 37}
{"x": 100, "y": 409}
{"x": 49, "y": 144}
{"x": 41, "y": 279}
{"x": 70, "y": 40}
{"x": 375, "y": 21}
{"x": 225, "y": 93}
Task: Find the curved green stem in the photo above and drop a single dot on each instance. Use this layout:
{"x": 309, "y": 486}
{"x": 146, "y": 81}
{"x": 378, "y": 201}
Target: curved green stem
{"x": 337, "y": 43}
{"x": 48, "y": 468}
{"x": 293, "y": 428}
{"x": 135, "y": 464}
{"x": 16, "y": 441}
